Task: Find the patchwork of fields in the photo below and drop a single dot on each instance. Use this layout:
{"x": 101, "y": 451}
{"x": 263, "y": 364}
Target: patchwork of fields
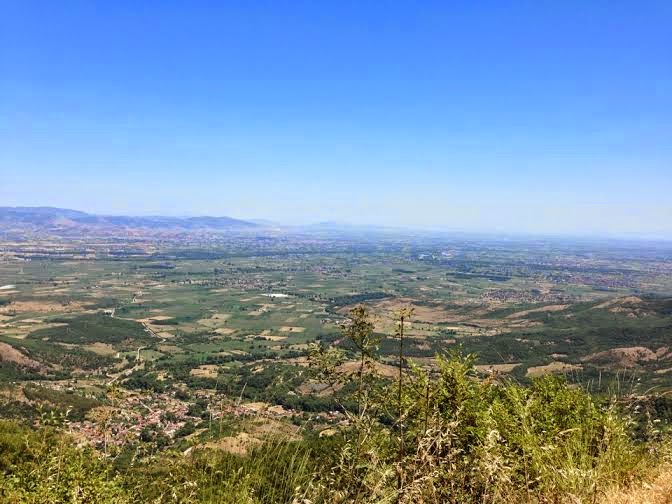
{"x": 225, "y": 336}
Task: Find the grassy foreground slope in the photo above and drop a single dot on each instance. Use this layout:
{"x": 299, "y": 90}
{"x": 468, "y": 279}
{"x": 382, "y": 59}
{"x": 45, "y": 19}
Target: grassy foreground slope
{"x": 460, "y": 440}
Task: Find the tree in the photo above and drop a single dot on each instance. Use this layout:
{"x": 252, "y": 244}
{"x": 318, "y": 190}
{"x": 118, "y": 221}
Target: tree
{"x": 403, "y": 316}
{"x": 360, "y": 332}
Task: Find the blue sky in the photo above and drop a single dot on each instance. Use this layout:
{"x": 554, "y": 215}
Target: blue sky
{"x": 551, "y": 117}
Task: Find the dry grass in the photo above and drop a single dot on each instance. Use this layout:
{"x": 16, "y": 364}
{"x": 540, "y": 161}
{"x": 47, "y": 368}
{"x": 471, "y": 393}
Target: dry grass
{"x": 658, "y": 491}
{"x": 630, "y": 300}
{"x": 240, "y": 444}
{"x": 205, "y": 371}
{"x": 497, "y": 368}
{"x": 549, "y": 308}
{"x": 628, "y": 356}
{"x": 101, "y": 348}
{"x": 380, "y": 369}
{"x": 40, "y": 307}
{"x": 421, "y": 313}
{"x": 10, "y": 354}
{"x": 224, "y": 331}
{"x": 553, "y": 367}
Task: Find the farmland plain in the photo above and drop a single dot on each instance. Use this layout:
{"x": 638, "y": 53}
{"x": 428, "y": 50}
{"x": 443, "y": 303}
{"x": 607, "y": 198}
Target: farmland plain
{"x": 207, "y": 340}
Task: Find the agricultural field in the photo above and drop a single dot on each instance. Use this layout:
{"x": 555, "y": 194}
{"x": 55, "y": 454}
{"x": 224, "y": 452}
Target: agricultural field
{"x": 181, "y": 344}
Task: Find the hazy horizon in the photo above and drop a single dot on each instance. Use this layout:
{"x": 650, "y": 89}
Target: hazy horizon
{"x": 541, "y": 119}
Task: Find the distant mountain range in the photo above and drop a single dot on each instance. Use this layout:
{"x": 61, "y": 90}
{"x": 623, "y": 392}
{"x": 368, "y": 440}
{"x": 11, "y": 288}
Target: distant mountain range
{"x": 63, "y": 219}
{"x": 21, "y": 222}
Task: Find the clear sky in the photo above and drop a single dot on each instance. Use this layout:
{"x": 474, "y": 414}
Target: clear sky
{"x": 477, "y": 115}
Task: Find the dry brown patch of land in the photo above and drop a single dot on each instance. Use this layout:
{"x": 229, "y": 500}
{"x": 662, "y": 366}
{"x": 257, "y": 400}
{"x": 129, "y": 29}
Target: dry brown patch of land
{"x": 270, "y": 427}
{"x": 549, "y": 308}
{"x": 388, "y": 308}
{"x": 630, "y": 306}
{"x": 10, "y": 354}
{"x": 99, "y": 348}
{"x": 318, "y": 389}
{"x": 628, "y": 356}
{"x": 256, "y": 407}
{"x": 497, "y": 368}
{"x": 39, "y": 307}
{"x": 553, "y": 367}
{"x": 13, "y": 393}
{"x": 521, "y": 324}
{"x": 205, "y": 371}
{"x": 224, "y": 331}
{"x": 239, "y": 444}
{"x": 658, "y": 491}
{"x": 632, "y": 300}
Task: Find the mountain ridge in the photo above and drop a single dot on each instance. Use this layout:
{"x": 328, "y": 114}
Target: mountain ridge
{"x": 56, "y": 218}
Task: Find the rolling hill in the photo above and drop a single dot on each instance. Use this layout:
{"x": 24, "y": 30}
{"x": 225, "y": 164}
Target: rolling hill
{"x": 49, "y": 219}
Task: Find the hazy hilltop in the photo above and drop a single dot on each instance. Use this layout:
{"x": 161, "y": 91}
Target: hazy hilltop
{"x": 49, "y": 219}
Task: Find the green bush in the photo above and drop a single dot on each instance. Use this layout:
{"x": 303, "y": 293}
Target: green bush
{"x": 45, "y": 467}
{"x": 472, "y": 440}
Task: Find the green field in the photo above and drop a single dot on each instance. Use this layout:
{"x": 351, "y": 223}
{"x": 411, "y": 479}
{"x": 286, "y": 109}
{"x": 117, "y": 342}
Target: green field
{"x": 235, "y": 327}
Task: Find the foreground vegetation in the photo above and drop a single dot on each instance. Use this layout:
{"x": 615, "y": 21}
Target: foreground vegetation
{"x": 454, "y": 439}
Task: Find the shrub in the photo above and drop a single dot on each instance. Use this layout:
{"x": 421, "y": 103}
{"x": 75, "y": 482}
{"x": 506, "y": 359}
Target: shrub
{"x": 471, "y": 440}
{"x": 45, "y": 467}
